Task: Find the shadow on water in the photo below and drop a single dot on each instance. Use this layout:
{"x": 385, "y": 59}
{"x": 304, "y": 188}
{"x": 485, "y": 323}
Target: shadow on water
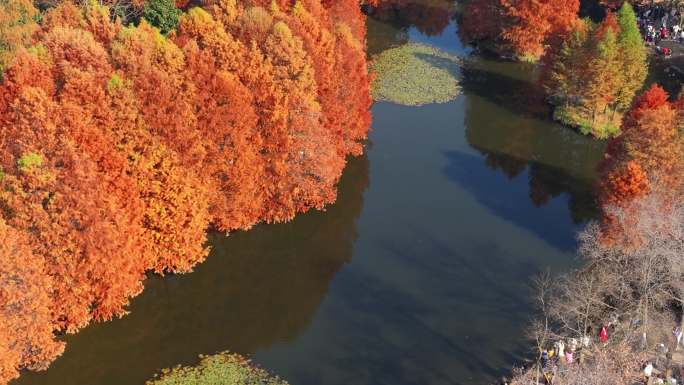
{"x": 507, "y": 121}
{"x": 538, "y": 199}
{"x": 257, "y": 288}
{"x": 429, "y": 17}
{"x": 510, "y": 85}
{"x": 410, "y": 343}
{"x": 441, "y": 63}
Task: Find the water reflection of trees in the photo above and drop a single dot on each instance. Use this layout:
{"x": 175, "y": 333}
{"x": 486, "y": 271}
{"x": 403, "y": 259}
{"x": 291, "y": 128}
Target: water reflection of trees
{"x": 429, "y": 17}
{"x": 508, "y": 122}
{"x": 257, "y": 288}
{"x": 546, "y": 183}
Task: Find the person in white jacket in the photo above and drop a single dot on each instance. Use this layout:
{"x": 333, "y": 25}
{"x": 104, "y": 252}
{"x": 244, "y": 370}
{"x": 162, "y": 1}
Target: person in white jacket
{"x": 560, "y": 348}
{"x": 648, "y": 370}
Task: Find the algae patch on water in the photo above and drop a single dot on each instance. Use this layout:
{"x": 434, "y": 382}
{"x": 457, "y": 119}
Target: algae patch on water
{"x": 218, "y": 369}
{"x": 415, "y": 74}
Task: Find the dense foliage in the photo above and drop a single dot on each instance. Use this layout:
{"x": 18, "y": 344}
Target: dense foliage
{"x": 163, "y": 14}
{"x": 119, "y": 145}
{"x": 429, "y": 17}
{"x": 646, "y": 160}
{"x": 633, "y": 277}
{"x": 520, "y": 28}
{"x": 594, "y": 75}
{"x": 218, "y": 369}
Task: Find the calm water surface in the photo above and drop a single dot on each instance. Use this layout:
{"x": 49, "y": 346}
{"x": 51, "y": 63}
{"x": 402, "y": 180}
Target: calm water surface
{"x": 419, "y": 274}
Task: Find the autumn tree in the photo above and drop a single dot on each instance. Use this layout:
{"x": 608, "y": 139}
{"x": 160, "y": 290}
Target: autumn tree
{"x": 26, "y": 329}
{"x": 650, "y": 139}
{"x": 17, "y": 26}
{"x": 521, "y": 28}
{"x": 602, "y": 76}
{"x": 228, "y": 118}
{"x": 121, "y": 144}
{"x": 533, "y": 23}
{"x": 563, "y": 73}
{"x": 646, "y": 157}
{"x": 594, "y": 75}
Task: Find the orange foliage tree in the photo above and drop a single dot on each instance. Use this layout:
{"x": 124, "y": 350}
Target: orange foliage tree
{"x": 523, "y": 28}
{"x": 120, "y": 146}
{"x": 17, "y": 25}
{"x": 429, "y": 17}
{"x": 646, "y": 157}
{"x": 25, "y": 329}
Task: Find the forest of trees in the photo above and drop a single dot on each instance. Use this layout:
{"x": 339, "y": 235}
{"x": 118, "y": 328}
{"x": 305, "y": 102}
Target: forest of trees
{"x": 590, "y": 72}
{"x": 595, "y": 73}
{"x": 632, "y": 274}
{"x": 129, "y": 129}
{"x": 523, "y": 29}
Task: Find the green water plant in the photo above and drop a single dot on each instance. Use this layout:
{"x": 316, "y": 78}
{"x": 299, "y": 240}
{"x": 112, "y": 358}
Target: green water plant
{"x": 218, "y": 369}
{"x": 415, "y": 74}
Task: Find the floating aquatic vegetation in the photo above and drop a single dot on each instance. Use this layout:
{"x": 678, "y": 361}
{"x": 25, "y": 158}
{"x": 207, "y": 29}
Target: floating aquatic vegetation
{"x": 416, "y": 74}
{"x": 218, "y": 369}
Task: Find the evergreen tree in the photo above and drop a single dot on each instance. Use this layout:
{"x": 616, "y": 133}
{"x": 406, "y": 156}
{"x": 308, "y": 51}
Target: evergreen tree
{"x": 603, "y": 74}
{"x": 596, "y": 72}
{"x": 561, "y": 82}
{"x": 162, "y": 14}
{"x": 633, "y": 57}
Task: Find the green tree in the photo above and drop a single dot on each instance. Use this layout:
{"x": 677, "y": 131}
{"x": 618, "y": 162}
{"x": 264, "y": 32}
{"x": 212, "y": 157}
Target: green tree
{"x": 633, "y": 56}
{"x": 562, "y": 82}
{"x": 162, "y": 14}
{"x": 603, "y": 75}
{"x": 17, "y": 24}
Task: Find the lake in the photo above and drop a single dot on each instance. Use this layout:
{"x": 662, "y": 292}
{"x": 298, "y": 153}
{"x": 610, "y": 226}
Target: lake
{"x": 419, "y": 274}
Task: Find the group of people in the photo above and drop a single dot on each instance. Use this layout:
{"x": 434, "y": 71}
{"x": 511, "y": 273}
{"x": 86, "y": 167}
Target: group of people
{"x": 663, "y": 370}
{"x": 658, "y": 23}
{"x": 567, "y": 352}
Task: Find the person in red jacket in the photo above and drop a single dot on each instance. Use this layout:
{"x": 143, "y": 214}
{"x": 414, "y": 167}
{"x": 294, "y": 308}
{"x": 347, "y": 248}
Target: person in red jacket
{"x": 603, "y": 334}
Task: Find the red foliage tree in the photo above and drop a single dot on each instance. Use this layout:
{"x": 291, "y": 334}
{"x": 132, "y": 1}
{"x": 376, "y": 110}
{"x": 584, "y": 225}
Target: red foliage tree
{"x": 523, "y": 27}
{"x": 119, "y": 146}
{"x": 647, "y": 156}
{"x": 26, "y": 338}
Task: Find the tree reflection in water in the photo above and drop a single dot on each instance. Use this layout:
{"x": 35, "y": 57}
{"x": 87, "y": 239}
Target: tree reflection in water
{"x": 429, "y": 17}
{"x": 257, "y": 288}
{"x": 552, "y": 164}
{"x": 389, "y": 23}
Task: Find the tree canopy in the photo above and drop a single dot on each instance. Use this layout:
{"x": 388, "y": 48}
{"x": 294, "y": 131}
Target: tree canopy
{"x": 121, "y": 143}
{"x": 594, "y": 74}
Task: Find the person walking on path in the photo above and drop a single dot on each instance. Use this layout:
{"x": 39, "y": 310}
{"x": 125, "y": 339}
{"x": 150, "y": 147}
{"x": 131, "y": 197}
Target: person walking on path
{"x": 663, "y": 33}
{"x": 603, "y": 334}
{"x": 648, "y": 371}
{"x": 569, "y": 359}
{"x": 560, "y": 349}
{"x": 677, "y": 332}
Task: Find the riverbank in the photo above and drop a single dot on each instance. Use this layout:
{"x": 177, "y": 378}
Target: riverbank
{"x": 435, "y": 233}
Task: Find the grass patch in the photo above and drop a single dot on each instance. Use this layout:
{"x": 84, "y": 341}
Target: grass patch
{"x": 415, "y": 74}
{"x": 604, "y": 126}
{"x": 218, "y": 369}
